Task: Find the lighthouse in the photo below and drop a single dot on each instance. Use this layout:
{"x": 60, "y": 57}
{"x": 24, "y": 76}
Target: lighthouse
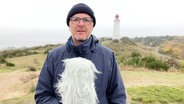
{"x": 116, "y": 28}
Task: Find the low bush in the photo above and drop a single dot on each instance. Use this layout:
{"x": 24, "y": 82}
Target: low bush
{"x": 182, "y": 66}
{"x": 2, "y": 61}
{"x": 32, "y": 88}
{"x": 16, "y": 53}
{"x": 149, "y": 62}
{"x": 10, "y": 64}
{"x": 31, "y": 68}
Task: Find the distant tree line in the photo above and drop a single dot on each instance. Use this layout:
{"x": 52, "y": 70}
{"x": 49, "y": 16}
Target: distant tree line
{"x": 153, "y": 41}
{"x": 24, "y": 52}
{"x": 14, "y": 53}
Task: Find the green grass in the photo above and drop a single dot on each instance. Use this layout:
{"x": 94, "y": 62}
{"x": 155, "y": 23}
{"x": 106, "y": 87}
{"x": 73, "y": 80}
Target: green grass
{"x": 147, "y": 78}
{"x": 156, "y": 95}
{"x": 27, "y": 99}
{"x": 154, "y": 87}
{"x": 24, "y": 63}
{"x": 4, "y": 70}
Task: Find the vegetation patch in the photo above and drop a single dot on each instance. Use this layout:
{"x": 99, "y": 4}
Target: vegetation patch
{"x": 3, "y": 61}
{"x": 4, "y": 70}
{"x": 138, "y": 58}
{"x": 182, "y": 66}
{"x": 149, "y": 62}
{"x": 16, "y": 53}
{"x": 156, "y": 95}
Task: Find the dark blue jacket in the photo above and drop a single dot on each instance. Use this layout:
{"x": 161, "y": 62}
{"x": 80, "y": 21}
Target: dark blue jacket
{"x": 109, "y": 85}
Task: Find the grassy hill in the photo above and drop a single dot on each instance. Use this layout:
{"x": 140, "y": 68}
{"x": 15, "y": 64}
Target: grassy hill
{"x": 169, "y": 45}
{"x": 19, "y": 81}
{"x": 173, "y": 48}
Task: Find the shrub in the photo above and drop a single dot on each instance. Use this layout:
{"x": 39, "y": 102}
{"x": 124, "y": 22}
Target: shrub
{"x": 115, "y": 41}
{"x": 182, "y": 66}
{"x": 149, "y": 62}
{"x": 2, "y": 61}
{"x": 31, "y": 68}
{"x": 135, "y": 54}
{"x": 16, "y": 53}
{"x": 157, "y": 65}
{"x": 9, "y": 64}
{"x": 148, "y": 59}
{"x": 32, "y": 88}
{"x": 135, "y": 60}
{"x": 152, "y": 63}
{"x": 45, "y": 52}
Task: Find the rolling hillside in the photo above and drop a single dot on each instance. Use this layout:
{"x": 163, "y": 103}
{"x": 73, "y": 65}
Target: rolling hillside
{"x": 172, "y": 46}
{"x": 19, "y": 81}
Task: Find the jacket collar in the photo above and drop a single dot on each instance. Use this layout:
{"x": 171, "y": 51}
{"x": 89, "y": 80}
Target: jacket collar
{"x": 85, "y": 47}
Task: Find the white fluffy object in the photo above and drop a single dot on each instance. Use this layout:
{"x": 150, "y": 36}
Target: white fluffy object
{"x": 77, "y": 85}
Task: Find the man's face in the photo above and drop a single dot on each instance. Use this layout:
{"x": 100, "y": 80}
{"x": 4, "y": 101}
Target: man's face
{"x": 81, "y": 26}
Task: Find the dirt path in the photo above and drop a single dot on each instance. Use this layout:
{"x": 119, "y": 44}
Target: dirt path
{"x": 15, "y": 84}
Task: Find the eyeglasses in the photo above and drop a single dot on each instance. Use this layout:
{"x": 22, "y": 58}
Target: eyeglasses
{"x": 85, "y": 20}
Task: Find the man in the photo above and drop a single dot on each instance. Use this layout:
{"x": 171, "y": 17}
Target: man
{"x": 108, "y": 85}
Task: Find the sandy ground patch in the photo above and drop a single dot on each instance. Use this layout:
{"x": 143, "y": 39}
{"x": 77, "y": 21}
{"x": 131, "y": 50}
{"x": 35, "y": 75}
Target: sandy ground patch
{"x": 15, "y": 84}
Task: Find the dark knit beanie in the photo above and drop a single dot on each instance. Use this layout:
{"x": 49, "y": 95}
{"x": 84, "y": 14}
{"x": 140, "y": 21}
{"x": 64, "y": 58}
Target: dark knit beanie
{"x": 81, "y": 8}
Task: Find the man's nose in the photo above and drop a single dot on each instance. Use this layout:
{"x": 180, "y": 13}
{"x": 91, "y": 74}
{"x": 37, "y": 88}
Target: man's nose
{"x": 81, "y": 22}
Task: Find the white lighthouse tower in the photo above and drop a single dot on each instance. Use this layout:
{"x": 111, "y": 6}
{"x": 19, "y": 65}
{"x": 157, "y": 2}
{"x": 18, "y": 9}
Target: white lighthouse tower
{"x": 116, "y": 29}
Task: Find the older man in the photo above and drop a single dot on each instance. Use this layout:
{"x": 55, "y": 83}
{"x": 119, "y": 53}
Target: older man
{"x": 109, "y": 85}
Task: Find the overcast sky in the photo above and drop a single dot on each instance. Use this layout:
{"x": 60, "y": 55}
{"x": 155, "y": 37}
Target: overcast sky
{"x": 138, "y": 17}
